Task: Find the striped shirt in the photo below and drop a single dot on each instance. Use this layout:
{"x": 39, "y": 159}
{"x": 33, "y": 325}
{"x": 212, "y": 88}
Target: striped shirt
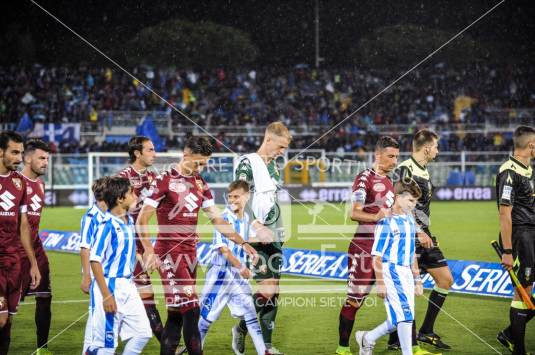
{"x": 394, "y": 239}
{"x": 88, "y": 225}
{"x": 242, "y": 228}
{"x": 114, "y": 247}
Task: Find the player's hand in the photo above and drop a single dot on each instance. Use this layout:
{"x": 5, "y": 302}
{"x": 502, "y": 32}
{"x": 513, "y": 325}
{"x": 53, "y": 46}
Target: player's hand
{"x": 265, "y": 235}
{"x": 35, "y": 276}
{"x": 246, "y": 273}
{"x": 418, "y": 288}
{"x": 109, "y": 304}
{"x": 424, "y": 240}
{"x": 151, "y": 261}
{"x": 380, "y": 289}
{"x": 86, "y": 283}
{"x": 507, "y": 261}
{"x": 383, "y": 213}
{"x": 251, "y": 252}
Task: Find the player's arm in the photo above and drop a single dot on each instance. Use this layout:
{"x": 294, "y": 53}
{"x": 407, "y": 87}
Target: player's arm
{"x": 506, "y": 198}
{"x": 233, "y": 260}
{"x": 418, "y": 287}
{"x": 84, "y": 254}
{"x": 107, "y": 297}
{"x": 226, "y": 229}
{"x": 424, "y": 239}
{"x": 357, "y": 214}
{"x": 379, "y": 281}
{"x": 26, "y": 241}
{"x": 142, "y": 228}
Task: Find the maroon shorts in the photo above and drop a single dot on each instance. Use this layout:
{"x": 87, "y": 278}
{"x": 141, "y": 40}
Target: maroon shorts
{"x": 178, "y": 272}
{"x": 10, "y": 282}
{"x": 43, "y": 289}
{"x": 361, "y": 276}
{"x": 141, "y": 277}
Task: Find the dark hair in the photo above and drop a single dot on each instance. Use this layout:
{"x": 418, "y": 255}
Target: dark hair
{"x": 520, "y": 135}
{"x": 98, "y": 188}
{"x": 199, "y": 145}
{"x": 409, "y": 186}
{"x": 116, "y": 187}
{"x": 9, "y": 136}
{"x": 386, "y": 142}
{"x": 423, "y": 137}
{"x": 31, "y": 145}
{"x": 238, "y": 184}
{"x": 136, "y": 143}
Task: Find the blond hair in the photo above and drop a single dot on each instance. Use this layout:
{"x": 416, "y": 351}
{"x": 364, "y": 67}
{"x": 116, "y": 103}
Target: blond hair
{"x": 278, "y": 129}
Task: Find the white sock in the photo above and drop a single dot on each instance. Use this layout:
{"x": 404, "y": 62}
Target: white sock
{"x": 105, "y": 351}
{"x": 204, "y": 325}
{"x": 135, "y": 345}
{"x": 405, "y": 337}
{"x": 256, "y": 335}
{"x": 379, "y": 331}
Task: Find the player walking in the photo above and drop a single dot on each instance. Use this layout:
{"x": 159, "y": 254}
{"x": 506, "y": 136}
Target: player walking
{"x": 516, "y": 204}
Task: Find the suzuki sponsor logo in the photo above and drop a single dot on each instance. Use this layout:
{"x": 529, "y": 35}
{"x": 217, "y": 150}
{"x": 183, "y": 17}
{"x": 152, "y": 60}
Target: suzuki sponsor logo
{"x": 6, "y": 200}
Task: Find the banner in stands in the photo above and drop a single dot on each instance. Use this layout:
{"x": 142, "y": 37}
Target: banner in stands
{"x": 473, "y": 277}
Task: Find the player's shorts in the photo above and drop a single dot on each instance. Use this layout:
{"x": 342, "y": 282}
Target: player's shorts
{"x": 178, "y": 272}
{"x": 129, "y": 320}
{"x": 524, "y": 254}
{"x": 10, "y": 282}
{"x": 431, "y": 258}
{"x": 399, "y": 301}
{"x": 225, "y": 287}
{"x": 43, "y": 289}
{"x": 361, "y": 276}
{"x": 269, "y": 263}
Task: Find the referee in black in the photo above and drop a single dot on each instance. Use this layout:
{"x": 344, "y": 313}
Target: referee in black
{"x": 515, "y": 195}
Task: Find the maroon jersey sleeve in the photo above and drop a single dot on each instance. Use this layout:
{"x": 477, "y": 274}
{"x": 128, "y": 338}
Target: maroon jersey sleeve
{"x": 360, "y": 188}
{"x": 208, "y": 197}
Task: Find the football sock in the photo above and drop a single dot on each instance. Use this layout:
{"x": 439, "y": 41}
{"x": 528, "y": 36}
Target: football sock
{"x": 436, "y": 300}
{"x": 135, "y": 345}
{"x": 378, "y": 332}
{"x": 529, "y": 317}
{"x": 259, "y": 303}
{"x": 154, "y": 318}
{"x": 518, "y": 316}
{"x": 171, "y": 333}
{"x": 5, "y": 337}
{"x": 204, "y": 325}
{"x": 414, "y": 341}
{"x": 192, "y": 337}
{"x": 346, "y": 321}
{"x": 405, "y": 337}
{"x": 256, "y": 334}
{"x": 393, "y": 337}
{"x": 266, "y": 317}
{"x": 43, "y": 315}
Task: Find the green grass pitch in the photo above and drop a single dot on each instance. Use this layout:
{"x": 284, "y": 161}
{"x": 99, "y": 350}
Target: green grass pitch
{"x": 307, "y": 322}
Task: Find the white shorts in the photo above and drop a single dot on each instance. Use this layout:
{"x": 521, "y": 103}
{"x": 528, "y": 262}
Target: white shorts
{"x": 225, "y": 287}
{"x": 399, "y": 301}
{"x": 129, "y": 320}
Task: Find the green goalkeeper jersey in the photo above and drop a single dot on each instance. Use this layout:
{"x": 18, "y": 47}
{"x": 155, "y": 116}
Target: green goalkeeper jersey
{"x": 244, "y": 172}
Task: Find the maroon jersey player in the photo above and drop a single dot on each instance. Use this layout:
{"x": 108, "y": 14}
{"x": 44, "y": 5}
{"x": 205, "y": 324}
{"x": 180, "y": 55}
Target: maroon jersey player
{"x": 142, "y": 154}
{"x": 36, "y": 154}
{"x": 372, "y": 198}
{"x": 177, "y": 198}
{"x": 14, "y": 229}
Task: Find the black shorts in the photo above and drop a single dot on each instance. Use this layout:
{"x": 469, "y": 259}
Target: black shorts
{"x": 524, "y": 254}
{"x": 430, "y": 258}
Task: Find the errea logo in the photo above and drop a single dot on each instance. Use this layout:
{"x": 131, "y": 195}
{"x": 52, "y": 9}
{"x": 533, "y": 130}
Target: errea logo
{"x": 6, "y": 200}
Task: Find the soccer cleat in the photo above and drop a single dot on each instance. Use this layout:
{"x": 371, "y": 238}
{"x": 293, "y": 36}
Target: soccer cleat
{"x": 181, "y": 350}
{"x": 393, "y": 346}
{"x": 238, "y": 341}
{"x": 417, "y": 350}
{"x": 273, "y": 351}
{"x": 366, "y": 347}
{"x": 433, "y": 339}
{"x": 343, "y": 350}
{"x": 504, "y": 339}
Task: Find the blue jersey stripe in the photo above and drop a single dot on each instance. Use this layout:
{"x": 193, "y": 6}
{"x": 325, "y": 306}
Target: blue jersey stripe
{"x": 394, "y": 239}
{"x": 208, "y": 302}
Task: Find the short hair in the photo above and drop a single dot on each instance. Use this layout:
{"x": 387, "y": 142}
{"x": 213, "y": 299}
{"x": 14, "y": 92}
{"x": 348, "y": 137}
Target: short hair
{"x": 31, "y": 145}
{"x": 521, "y": 136}
{"x": 423, "y": 137}
{"x": 199, "y": 145}
{"x": 410, "y": 187}
{"x": 98, "y": 188}
{"x": 386, "y": 142}
{"x": 238, "y": 184}
{"x": 9, "y": 136}
{"x": 116, "y": 187}
{"x": 136, "y": 143}
{"x": 278, "y": 129}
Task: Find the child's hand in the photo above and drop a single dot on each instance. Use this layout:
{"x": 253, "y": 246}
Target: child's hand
{"x": 86, "y": 283}
{"x": 109, "y": 304}
{"x": 380, "y": 289}
{"x": 418, "y": 288}
{"x": 246, "y": 273}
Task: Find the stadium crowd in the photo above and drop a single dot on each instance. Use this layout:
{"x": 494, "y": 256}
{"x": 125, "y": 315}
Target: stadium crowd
{"x": 437, "y": 95}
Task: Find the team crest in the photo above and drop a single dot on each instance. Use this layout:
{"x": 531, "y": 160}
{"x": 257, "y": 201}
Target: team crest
{"x": 200, "y": 184}
{"x": 29, "y": 190}
{"x": 2, "y": 302}
{"x": 0, "y": 186}
{"x": 18, "y": 183}
{"x": 188, "y": 290}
